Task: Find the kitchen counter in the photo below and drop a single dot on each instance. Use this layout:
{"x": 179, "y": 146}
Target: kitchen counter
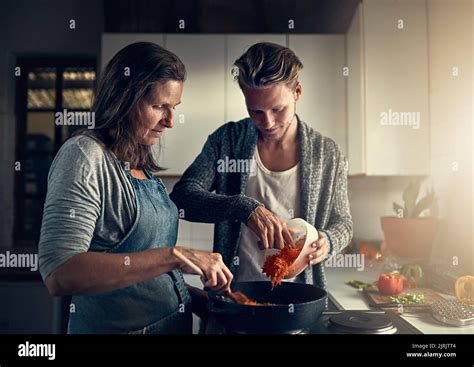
{"x": 353, "y": 299}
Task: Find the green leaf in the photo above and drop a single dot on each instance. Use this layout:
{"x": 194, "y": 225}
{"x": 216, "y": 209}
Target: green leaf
{"x": 423, "y": 204}
{"x": 410, "y": 194}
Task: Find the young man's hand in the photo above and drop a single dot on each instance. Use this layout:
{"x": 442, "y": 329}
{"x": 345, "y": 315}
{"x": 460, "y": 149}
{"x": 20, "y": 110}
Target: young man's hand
{"x": 321, "y": 250}
{"x": 271, "y": 230}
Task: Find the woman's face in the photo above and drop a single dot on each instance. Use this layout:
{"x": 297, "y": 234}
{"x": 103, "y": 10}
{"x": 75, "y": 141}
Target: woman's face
{"x": 156, "y": 112}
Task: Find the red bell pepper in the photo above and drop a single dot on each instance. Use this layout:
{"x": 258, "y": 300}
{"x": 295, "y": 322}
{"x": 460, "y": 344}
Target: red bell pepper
{"x": 390, "y": 283}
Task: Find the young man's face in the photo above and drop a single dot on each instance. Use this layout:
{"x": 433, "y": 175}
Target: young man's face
{"x": 272, "y": 109}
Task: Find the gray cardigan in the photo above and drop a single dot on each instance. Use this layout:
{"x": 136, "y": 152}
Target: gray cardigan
{"x": 323, "y": 186}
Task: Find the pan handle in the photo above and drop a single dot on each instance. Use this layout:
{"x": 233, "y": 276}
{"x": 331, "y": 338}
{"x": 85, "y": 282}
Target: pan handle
{"x": 231, "y": 311}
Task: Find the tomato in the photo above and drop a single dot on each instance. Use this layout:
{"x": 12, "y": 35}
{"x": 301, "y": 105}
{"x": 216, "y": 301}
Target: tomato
{"x": 390, "y": 283}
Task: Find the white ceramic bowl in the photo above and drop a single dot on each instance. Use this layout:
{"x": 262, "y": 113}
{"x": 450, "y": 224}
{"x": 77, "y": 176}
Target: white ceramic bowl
{"x": 299, "y": 228}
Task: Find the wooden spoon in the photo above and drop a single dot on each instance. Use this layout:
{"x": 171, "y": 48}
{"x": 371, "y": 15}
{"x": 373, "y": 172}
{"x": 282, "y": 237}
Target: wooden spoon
{"x": 237, "y": 297}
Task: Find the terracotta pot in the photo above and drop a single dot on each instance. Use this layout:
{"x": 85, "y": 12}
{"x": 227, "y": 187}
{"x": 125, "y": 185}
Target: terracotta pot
{"x": 410, "y": 238}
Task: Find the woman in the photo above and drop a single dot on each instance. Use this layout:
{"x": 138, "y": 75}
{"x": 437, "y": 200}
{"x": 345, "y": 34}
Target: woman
{"x": 108, "y": 225}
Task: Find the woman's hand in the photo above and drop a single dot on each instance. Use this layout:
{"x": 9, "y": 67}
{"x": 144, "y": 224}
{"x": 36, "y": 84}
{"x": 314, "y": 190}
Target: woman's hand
{"x": 216, "y": 274}
{"x": 271, "y": 230}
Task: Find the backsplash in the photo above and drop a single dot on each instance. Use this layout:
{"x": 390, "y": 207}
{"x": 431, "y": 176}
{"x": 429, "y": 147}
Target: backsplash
{"x": 370, "y": 198}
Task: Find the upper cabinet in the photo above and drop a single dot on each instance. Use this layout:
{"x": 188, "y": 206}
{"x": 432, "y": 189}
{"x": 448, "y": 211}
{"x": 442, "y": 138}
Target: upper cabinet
{"x": 323, "y": 100}
{"x": 211, "y": 96}
{"x": 202, "y": 108}
{"x": 387, "y": 89}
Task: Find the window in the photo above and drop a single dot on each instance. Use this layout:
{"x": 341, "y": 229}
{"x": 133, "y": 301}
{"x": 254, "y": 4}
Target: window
{"x": 46, "y": 86}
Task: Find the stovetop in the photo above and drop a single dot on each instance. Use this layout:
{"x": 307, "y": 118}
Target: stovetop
{"x": 336, "y": 320}
{"x": 360, "y": 322}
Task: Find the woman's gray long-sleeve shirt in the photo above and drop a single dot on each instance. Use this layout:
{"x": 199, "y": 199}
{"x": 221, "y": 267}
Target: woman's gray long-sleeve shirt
{"x": 89, "y": 199}
{"x": 208, "y": 195}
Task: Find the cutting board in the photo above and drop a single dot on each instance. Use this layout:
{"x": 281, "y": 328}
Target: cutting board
{"x": 382, "y": 301}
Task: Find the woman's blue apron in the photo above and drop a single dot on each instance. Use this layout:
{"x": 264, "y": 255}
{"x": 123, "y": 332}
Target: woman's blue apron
{"x": 161, "y": 305}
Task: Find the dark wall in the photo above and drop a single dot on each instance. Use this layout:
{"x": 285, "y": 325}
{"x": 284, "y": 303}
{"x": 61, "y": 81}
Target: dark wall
{"x": 35, "y": 29}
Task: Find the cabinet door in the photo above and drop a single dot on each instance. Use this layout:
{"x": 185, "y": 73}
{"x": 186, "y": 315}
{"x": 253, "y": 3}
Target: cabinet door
{"x": 355, "y": 96}
{"x": 202, "y": 109}
{"x": 323, "y": 101}
{"x": 396, "y": 87}
{"x": 236, "y": 45}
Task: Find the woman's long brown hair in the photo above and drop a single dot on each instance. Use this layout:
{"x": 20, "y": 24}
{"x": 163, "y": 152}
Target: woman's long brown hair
{"x": 129, "y": 78}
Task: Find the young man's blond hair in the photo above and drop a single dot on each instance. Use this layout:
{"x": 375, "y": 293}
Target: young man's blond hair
{"x": 265, "y": 64}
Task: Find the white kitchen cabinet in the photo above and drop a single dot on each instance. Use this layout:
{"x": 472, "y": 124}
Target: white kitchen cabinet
{"x": 211, "y": 97}
{"x": 203, "y": 104}
{"x": 387, "y": 89}
{"x": 323, "y": 101}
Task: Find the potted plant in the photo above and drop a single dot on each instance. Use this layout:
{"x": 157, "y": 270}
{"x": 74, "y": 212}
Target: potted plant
{"x": 410, "y": 234}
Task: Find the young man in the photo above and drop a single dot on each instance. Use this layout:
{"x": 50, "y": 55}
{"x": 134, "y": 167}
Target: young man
{"x": 298, "y": 173}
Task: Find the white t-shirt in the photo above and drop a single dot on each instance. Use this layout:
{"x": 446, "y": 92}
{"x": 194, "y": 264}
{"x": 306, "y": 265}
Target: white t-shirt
{"x": 280, "y": 193}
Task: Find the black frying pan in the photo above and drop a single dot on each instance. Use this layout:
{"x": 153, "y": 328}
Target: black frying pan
{"x": 295, "y": 306}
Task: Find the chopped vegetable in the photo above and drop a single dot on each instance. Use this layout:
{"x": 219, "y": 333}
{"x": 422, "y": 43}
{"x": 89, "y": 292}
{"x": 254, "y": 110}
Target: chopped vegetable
{"x": 255, "y": 303}
{"x": 391, "y": 284}
{"x": 358, "y": 284}
{"x": 464, "y": 289}
{"x": 413, "y": 274}
{"x": 278, "y": 266}
{"x": 409, "y": 299}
